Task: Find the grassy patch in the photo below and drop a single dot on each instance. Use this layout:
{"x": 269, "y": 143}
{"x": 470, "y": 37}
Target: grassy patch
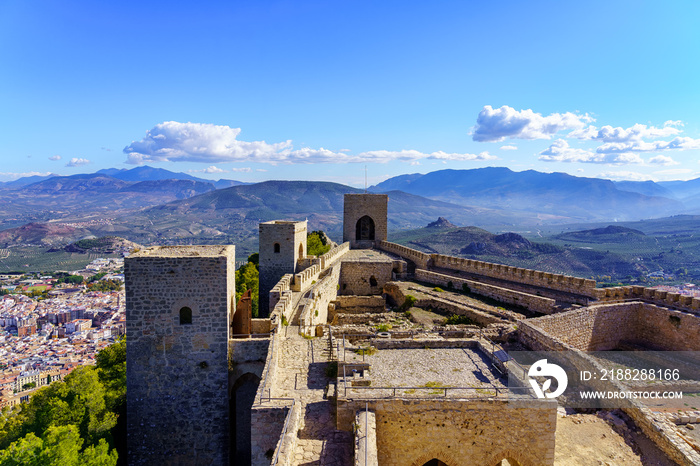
{"x": 366, "y": 350}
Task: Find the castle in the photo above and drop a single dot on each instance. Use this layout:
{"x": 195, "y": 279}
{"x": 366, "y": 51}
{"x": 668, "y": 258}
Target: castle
{"x": 337, "y": 371}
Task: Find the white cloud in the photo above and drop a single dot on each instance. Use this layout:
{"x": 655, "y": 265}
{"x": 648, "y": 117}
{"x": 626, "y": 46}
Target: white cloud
{"x": 382, "y": 156}
{"x": 55, "y": 157}
{"x": 506, "y": 122}
{"x": 197, "y": 142}
{"x": 636, "y": 132}
{"x": 679, "y": 143}
{"x": 172, "y": 141}
{"x": 509, "y": 147}
{"x": 663, "y": 160}
{"x": 560, "y": 151}
{"x": 76, "y": 162}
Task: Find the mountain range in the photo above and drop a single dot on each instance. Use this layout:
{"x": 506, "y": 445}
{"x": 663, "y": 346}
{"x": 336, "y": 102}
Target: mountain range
{"x": 149, "y": 205}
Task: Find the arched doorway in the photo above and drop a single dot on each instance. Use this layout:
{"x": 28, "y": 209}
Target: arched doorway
{"x": 240, "y": 403}
{"x": 301, "y": 251}
{"x": 364, "y": 229}
{"x": 435, "y": 462}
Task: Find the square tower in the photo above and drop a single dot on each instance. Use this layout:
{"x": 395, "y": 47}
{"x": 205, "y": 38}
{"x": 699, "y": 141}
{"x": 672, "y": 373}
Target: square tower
{"x": 364, "y": 219}
{"x": 179, "y": 305}
{"x": 281, "y": 246}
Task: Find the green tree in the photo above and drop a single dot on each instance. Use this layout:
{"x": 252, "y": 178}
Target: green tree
{"x": 247, "y": 278}
{"x": 316, "y": 244}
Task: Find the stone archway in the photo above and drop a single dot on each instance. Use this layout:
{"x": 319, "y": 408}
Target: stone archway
{"x": 240, "y": 403}
{"x": 364, "y": 229}
{"x": 301, "y": 251}
{"x": 435, "y": 462}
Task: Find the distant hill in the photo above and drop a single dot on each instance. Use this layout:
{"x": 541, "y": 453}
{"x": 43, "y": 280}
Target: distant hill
{"x": 180, "y": 189}
{"x": 146, "y": 173}
{"x": 42, "y": 234}
{"x": 103, "y": 245}
{"x": 513, "y": 249}
{"x": 553, "y": 194}
{"x": 611, "y": 233}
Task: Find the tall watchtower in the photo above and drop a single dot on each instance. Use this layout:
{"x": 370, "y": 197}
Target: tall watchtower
{"x": 179, "y": 305}
{"x": 282, "y": 245}
{"x": 364, "y": 219}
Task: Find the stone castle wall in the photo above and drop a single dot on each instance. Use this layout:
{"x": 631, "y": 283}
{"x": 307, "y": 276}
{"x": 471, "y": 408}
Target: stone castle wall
{"x": 177, "y": 374}
{"x": 356, "y": 277}
{"x": 650, "y": 295}
{"x": 421, "y": 259}
{"x": 528, "y": 301}
{"x": 457, "y": 431}
{"x": 323, "y": 293}
{"x": 356, "y": 206}
{"x": 605, "y": 326}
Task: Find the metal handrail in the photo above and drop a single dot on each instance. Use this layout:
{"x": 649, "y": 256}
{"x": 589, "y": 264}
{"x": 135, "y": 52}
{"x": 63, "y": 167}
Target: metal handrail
{"x": 498, "y": 390}
{"x": 284, "y": 430}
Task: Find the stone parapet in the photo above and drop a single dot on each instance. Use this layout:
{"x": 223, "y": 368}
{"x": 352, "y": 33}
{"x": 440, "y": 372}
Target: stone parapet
{"x": 531, "y": 302}
{"x": 568, "y": 284}
{"x": 333, "y": 255}
{"x": 421, "y": 259}
{"x": 303, "y": 280}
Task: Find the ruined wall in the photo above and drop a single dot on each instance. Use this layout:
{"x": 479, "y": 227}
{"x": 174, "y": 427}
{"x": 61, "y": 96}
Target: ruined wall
{"x": 356, "y": 277}
{"x": 359, "y": 304}
{"x": 356, "y": 206}
{"x": 177, "y": 373}
{"x": 291, "y": 239}
{"x": 458, "y": 431}
{"x": 657, "y": 428}
{"x": 528, "y": 301}
{"x": 603, "y": 327}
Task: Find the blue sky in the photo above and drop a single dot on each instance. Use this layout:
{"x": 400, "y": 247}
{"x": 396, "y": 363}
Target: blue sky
{"x": 317, "y": 90}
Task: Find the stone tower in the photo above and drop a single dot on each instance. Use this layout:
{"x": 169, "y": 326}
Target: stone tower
{"x": 281, "y": 245}
{"x": 364, "y": 219}
{"x": 179, "y": 304}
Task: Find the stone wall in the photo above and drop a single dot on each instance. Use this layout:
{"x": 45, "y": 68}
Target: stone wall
{"x": 658, "y": 428}
{"x": 177, "y": 370}
{"x": 575, "y": 285}
{"x": 267, "y": 422}
{"x": 604, "y": 327}
{"x": 333, "y": 255}
{"x": 281, "y": 245}
{"x": 288, "y": 440}
{"x": 421, "y": 259}
{"x": 305, "y": 279}
{"x": 650, "y": 295}
{"x": 457, "y": 431}
{"x": 322, "y": 294}
{"x": 356, "y": 206}
{"x": 357, "y": 305}
{"x": 365, "y": 439}
{"x": 528, "y": 301}
{"x": 356, "y": 277}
